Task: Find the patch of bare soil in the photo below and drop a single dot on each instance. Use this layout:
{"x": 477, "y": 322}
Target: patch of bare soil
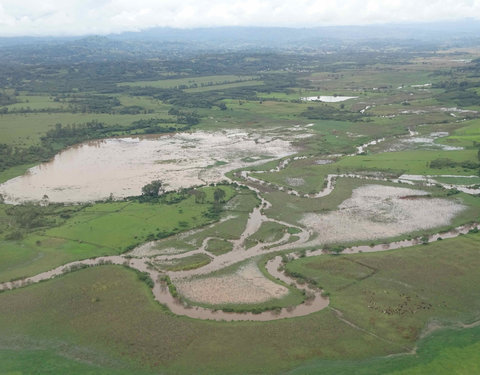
{"x": 247, "y": 285}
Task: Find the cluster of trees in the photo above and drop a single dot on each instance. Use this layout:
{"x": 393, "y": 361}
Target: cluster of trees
{"x": 6, "y": 99}
{"x": 449, "y": 163}
{"x": 28, "y": 109}
{"x": 461, "y": 97}
{"x": 11, "y": 155}
{"x": 155, "y": 189}
{"x": 24, "y": 218}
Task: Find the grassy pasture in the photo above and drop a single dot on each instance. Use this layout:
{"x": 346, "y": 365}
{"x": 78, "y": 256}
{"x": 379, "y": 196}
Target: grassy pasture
{"x": 393, "y": 294}
{"x": 36, "y": 102}
{"x": 148, "y": 103}
{"x": 268, "y": 232}
{"x": 465, "y": 136}
{"x": 75, "y": 311}
{"x": 443, "y": 353}
{"x": 14, "y": 172}
{"x": 188, "y": 81}
{"x": 230, "y": 226}
{"x": 252, "y": 115}
{"x": 102, "y": 229}
{"x": 219, "y": 246}
{"x": 26, "y": 129}
{"x": 146, "y": 338}
{"x": 450, "y": 351}
{"x": 225, "y": 86}
{"x": 411, "y": 162}
{"x": 397, "y": 163}
{"x": 377, "y": 77}
{"x": 459, "y": 180}
{"x": 186, "y": 263}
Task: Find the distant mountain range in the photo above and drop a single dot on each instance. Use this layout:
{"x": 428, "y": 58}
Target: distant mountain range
{"x": 172, "y": 41}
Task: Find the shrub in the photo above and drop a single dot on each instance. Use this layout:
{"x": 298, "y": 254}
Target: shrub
{"x": 145, "y": 277}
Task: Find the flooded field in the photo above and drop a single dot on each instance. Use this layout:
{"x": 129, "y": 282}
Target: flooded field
{"x": 377, "y": 211}
{"x": 121, "y": 166}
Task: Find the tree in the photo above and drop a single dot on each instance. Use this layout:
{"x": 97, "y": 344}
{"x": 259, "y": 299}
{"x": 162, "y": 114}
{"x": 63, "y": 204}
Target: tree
{"x": 222, "y": 106}
{"x": 153, "y": 189}
{"x": 218, "y": 195}
{"x": 44, "y": 200}
{"x": 199, "y": 196}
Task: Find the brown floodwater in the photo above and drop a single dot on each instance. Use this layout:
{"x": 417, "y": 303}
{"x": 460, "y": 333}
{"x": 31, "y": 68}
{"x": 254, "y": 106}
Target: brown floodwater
{"x": 162, "y": 295}
{"x": 184, "y": 159}
{"x": 121, "y": 166}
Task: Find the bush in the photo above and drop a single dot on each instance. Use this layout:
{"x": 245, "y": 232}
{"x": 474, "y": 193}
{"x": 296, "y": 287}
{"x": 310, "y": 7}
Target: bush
{"x": 145, "y": 277}
{"x": 16, "y": 235}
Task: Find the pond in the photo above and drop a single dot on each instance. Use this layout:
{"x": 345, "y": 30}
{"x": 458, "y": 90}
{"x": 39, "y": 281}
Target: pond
{"x": 327, "y": 98}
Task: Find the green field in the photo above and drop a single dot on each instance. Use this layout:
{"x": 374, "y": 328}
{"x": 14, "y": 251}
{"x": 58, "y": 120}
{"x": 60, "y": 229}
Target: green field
{"x": 410, "y": 162}
{"x": 26, "y": 129}
{"x": 393, "y": 163}
{"x": 268, "y": 232}
{"x": 226, "y": 86}
{"x": 145, "y": 336}
{"x": 205, "y": 81}
{"x": 465, "y": 136}
{"x": 101, "y": 229}
{"x": 391, "y": 295}
{"x": 229, "y": 227}
{"x": 219, "y": 246}
{"x": 57, "y": 312}
{"x": 187, "y": 263}
{"x": 450, "y": 351}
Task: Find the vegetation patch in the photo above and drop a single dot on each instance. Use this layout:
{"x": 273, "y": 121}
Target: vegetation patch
{"x": 184, "y": 263}
{"x": 269, "y": 231}
{"x": 218, "y": 246}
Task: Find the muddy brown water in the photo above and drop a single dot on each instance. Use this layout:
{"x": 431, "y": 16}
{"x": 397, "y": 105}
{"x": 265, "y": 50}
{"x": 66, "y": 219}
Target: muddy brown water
{"x": 162, "y": 295}
{"x": 140, "y": 159}
{"x": 121, "y": 166}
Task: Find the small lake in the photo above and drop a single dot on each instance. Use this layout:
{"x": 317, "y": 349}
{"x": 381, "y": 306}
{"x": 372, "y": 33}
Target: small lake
{"x": 327, "y": 98}
{"x": 121, "y": 166}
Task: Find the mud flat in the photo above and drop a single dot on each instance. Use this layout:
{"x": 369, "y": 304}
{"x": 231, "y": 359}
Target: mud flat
{"x": 246, "y": 285}
{"x": 121, "y": 166}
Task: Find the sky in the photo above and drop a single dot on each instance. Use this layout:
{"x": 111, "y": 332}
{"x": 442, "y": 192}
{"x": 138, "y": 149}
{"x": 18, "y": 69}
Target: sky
{"x": 86, "y": 17}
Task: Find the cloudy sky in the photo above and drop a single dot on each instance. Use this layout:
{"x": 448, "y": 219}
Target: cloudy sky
{"x": 79, "y": 17}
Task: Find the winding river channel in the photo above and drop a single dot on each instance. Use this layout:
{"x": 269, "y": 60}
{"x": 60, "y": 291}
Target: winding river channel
{"x": 288, "y": 245}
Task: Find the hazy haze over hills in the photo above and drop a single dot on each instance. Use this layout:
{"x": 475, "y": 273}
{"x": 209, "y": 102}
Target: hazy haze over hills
{"x": 431, "y": 35}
